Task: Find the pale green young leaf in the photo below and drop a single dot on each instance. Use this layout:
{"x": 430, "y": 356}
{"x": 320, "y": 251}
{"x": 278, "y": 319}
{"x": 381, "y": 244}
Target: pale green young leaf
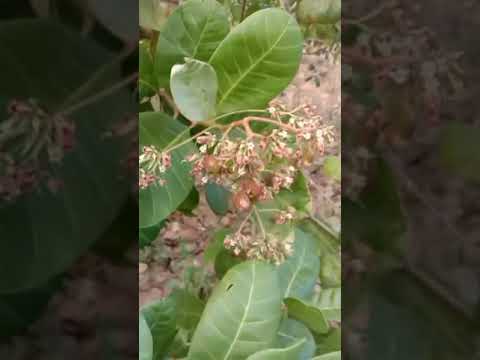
{"x": 194, "y": 89}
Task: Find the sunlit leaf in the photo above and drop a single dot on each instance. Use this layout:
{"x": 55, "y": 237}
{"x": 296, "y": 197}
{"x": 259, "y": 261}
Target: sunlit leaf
{"x": 257, "y": 60}
{"x": 242, "y": 315}
{"x": 193, "y": 30}
{"x": 194, "y": 89}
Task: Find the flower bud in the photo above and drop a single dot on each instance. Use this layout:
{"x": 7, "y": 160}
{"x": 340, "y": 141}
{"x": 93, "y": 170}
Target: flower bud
{"x": 252, "y": 188}
{"x": 241, "y": 201}
{"x": 211, "y": 164}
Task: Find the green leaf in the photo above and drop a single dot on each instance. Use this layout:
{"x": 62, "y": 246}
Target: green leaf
{"x": 194, "y": 88}
{"x": 328, "y": 245}
{"x": 319, "y": 11}
{"x": 329, "y": 301}
{"x": 298, "y": 196}
{"x": 145, "y": 341}
{"x": 119, "y": 21}
{"x": 242, "y": 316}
{"x": 337, "y": 355}
{"x": 44, "y": 232}
{"x": 459, "y": 151}
{"x": 310, "y": 315}
{"x": 190, "y": 203}
{"x": 224, "y": 261}
{"x": 291, "y": 331}
{"x": 257, "y": 60}
{"x": 147, "y": 85}
{"x": 298, "y": 274}
{"x": 180, "y": 346}
{"x": 161, "y": 319}
{"x": 149, "y": 234}
{"x": 330, "y": 342}
{"x": 193, "y": 30}
{"x": 19, "y": 310}
{"x": 152, "y": 14}
{"x": 157, "y": 202}
{"x": 218, "y": 198}
{"x": 333, "y": 167}
{"x": 288, "y": 353}
{"x": 189, "y": 308}
{"x": 330, "y": 270}
{"x": 215, "y": 245}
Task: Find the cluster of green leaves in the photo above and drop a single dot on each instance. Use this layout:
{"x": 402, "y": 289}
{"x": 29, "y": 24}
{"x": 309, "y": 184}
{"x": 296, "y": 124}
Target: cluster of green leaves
{"x": 257, "y": 311}
{"x": 215, "y": 67}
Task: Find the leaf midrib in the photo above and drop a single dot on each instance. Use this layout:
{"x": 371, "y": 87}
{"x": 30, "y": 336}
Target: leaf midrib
{"x": 297, "y": 271}
{"x": 200, "y": 38}
{"x": 244, "y": 317}
{"x": 254, "y": 65}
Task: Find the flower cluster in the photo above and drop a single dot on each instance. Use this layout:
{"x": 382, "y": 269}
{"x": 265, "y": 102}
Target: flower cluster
{"x": 269, "y": 247}
{"x": 255, "y": 158}
{"x": 31, "y": 140}
{"x": 153, "y": 164}
{"x": 257, "y": 165}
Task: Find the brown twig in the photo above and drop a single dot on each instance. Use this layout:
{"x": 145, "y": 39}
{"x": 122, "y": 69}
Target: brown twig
{"x": 245, "y": 123}
{"x": 163, "y": 94}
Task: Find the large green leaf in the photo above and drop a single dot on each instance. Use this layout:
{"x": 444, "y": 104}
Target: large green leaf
{"x": 298, "y": 275}
{"x": 147, "y": 83}
{"x": 193, "y": 30}
{"x": 157, "y": 202}
{"x": 326, "y": 343}
{"x": 328, "y": 244}
{"x": 307, "y": 313}
{"x": 288, "y": 353}
{"x": 257, "y": 60}
{"x": 242, "y": 316}
{"x": 44, "y": 232}
{"x": 145, "y": 341}
{"x": 194, "y": 89}
{"x": 161, "y": 319}
{"x": 329, "y": 301}
{"x": 189, "y": 308}
{"x": 291, "y": 331}
{"x": 336, "y": 355}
